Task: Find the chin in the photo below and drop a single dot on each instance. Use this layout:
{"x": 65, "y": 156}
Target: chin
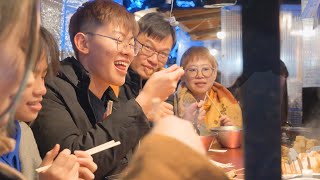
{"x": 199, "y": 91}
{"x": 119, "y": 82}
{"x": 29, "y": 118}
{"x": 145, "y": 77}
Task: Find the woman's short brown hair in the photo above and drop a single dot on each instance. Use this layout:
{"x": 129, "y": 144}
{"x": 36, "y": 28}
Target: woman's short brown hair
{"x": 99, "y": 12}
{"x": 197, "y": 52}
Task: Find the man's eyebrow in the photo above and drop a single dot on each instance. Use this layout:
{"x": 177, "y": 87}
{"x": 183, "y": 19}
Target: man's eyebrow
{"x": 122, "y": 33}
{"x": 148, "y": 42}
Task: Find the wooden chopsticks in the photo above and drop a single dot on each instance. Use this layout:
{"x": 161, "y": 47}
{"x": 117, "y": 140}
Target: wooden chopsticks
{"x": 214, "y": 105}
{"x": 91, "y": 151}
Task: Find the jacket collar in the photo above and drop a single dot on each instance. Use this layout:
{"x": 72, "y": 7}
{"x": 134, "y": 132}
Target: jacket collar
{"x": 74, "y": 72}
{"x": 133, "y": 79}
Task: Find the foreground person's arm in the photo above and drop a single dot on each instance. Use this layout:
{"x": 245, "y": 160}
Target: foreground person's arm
{"x": 172, "y": 152}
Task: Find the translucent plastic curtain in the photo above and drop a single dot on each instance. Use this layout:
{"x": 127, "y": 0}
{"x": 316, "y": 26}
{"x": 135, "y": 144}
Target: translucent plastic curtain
{"x": 231, "y": 46}
{"x": 291, "y": 55}
{"x": 298, "y": 52}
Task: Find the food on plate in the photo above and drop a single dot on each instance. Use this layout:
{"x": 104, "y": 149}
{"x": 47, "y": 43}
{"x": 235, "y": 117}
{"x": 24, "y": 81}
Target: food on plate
{"x": 305, "y": 159}
{"x": 284, "y": 151}
{"x": 303, "y": 144}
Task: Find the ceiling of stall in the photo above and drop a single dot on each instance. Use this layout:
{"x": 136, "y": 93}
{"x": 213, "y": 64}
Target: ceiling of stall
{"x": 199, "y": 23}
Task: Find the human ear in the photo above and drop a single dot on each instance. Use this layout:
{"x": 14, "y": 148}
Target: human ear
{"x": 81, "y": 43}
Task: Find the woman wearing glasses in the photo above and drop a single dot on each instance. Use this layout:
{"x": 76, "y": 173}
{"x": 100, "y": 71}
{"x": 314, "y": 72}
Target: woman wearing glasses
{"x": 198, "y": 83}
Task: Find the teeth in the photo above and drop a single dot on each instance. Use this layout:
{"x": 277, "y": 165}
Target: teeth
{"x": 32, "y": 103}
{"x": 121, "y": 63}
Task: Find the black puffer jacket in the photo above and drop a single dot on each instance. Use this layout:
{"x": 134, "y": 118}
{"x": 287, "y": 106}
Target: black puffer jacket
{"x": 67, "y": 118}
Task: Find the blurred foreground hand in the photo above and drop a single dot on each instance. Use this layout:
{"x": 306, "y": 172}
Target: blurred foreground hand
{"x": 181, "y": 130}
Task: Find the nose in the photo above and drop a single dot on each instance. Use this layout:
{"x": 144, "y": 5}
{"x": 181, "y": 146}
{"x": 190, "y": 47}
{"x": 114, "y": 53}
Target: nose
{"x": 126, "y": 49}
{"x": 199, "y": 74}
{"x": 40, "y": 89}
{"x": 30, "y": 81}
{"x": 153, "y": 60}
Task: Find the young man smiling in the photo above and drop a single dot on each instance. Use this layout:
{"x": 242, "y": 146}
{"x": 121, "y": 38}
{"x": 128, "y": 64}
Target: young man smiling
{"x": 74, "y": 109}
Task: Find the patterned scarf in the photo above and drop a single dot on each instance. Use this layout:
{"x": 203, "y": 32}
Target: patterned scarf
{"x": 223, "y": 101}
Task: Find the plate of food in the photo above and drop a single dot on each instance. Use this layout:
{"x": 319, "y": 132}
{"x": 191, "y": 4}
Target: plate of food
{"x": 301, "y": 159}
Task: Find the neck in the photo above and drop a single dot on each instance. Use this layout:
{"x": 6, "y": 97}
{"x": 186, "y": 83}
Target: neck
{"x": 200, "y": 97}
{"x": 97, "y": 86}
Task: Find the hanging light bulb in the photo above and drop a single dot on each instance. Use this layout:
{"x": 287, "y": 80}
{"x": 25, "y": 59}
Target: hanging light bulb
{"x": 221, "y": 35}
{"x": 213, "y": 52}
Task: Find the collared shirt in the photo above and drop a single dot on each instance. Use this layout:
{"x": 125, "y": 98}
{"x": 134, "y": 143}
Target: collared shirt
{"x": 99, "y": 106}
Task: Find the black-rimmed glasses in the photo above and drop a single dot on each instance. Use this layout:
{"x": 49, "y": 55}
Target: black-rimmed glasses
{"x": 149, "y": 51}
{"x": 206, "y": 71}
{"x": 120, "y": 43}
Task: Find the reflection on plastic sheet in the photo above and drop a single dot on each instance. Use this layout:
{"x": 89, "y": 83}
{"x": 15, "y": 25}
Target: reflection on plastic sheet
{"x": 291, "y": 52}
{"x": 291, "y": 55}
{"x": 231, "y": 45}
{"x": 311, "y": 56}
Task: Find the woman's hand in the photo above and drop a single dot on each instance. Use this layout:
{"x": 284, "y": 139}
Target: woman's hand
{"x": 65, "y": 166}
{"x": 225, "y": 121}
{"x": 87, "y": 166}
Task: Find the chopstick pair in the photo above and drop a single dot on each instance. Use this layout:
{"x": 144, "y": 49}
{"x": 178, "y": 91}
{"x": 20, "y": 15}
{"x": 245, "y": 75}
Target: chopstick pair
{"x": 91, "y": 151}
{"x": 214, "y": 105}
{"x": 102, "y": 147}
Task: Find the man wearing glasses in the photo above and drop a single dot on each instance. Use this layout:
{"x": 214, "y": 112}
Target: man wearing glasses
{"x": 156, "y": 38}
{"x": 76, "y": 110}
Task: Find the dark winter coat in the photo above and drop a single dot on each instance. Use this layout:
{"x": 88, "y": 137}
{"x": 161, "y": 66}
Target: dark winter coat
{"x": 67, "y": 118}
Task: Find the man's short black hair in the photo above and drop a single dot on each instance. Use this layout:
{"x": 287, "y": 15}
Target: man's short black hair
{"x": 156, "y": 25}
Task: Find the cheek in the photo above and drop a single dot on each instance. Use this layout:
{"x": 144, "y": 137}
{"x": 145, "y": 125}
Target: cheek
{"x": 103, "y": 60}
{"x": 188, "y": 80}
{"x": 139, "y": 60}
{"x": 135, "y": 63}
{"x": 211, "y": 80}
{"x": 189, "y": 84}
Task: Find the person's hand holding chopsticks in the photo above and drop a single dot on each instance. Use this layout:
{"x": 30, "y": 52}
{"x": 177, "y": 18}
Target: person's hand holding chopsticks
{"x": 160, "y": 85}
{"x": 84, "y": 159}
{"x": 225, "y": 121}
{"x": 65, "y": 166}
{"x": 87, "y": 166}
